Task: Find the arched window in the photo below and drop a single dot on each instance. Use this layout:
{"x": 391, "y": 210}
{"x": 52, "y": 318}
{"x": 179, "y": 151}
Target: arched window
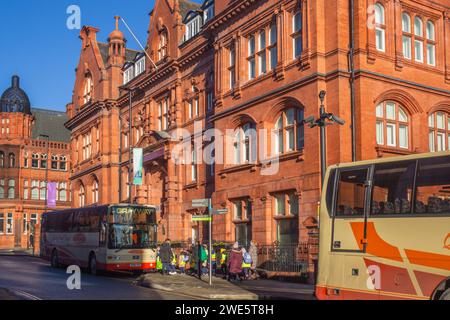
{"x": 35, "y": 160}
{"x": 439, "y": 134}
{"x": 245, "y": 144}
{"x": 43, "y": 190}
{"x": 81, "y": 196}
{"x": 162, "y": 45}
{"x": 418, "y": 39}
{"x": 35, "y": 190}
{"x": 11, "y": 189}
{"x": 88, "y": 85}
{"x": 392, "y": 127}
{"x": 289, "y": 131}
{"x": 12, "y": 160}
{"x": 2, "y": 159}
{"x": 431, "y": 44}
{"x": 407, "y": 36}
{"x": 380, "y": 28}
{"x": 95, "y": 191}
{"x": 62, "y": 163}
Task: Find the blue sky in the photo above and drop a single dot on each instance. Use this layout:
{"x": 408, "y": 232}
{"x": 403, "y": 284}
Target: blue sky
{"x": 37, "y": 45}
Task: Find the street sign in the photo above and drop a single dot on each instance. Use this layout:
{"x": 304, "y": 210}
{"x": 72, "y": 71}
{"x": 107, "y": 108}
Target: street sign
{"x": 220, "y": 211}
{"x": 201, "y": 218}
{"x": 200, "y": 203}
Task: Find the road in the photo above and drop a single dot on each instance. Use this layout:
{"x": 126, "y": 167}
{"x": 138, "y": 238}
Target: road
{"x": 36, "y": 278}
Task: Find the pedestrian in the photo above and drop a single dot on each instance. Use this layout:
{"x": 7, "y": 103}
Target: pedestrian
{"x": 166, "y": 257}
{"x": 223, "y": 262}
{"x": 182, "y": 261}
{"x": 204, "y": 255}
{"x": 246, "y": 263}
{"x": 253, "y": 250}
{"x": 213, "y": 261}
{"x": 235, "y": 263}
{"x": 159, "y": 266}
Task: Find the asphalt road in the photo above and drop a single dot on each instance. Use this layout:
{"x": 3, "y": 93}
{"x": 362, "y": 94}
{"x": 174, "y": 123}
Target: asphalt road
{"x": 34, "y": 277}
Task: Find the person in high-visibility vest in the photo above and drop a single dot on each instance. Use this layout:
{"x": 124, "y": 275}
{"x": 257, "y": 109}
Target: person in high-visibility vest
{"x": 182, "y": 260}
{"x": 246, "y": 263}
{"x": 213, "y": 260}
{"x": 223, "y": 262}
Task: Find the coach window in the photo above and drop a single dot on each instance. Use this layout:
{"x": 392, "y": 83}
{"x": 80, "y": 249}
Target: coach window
{"x": 433, "y": 186}
{"x": 392, "y": 188}
{"x": 351, "y": 193}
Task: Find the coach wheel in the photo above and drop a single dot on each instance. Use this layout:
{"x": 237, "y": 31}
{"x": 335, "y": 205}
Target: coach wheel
{"x": 445, "y": 295}
{"x": 54, "y": 259}
{"x": 93, "y": 264}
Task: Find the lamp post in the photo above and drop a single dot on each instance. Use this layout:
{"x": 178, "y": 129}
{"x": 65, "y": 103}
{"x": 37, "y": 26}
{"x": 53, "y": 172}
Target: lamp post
{"x": 324, "y": 120}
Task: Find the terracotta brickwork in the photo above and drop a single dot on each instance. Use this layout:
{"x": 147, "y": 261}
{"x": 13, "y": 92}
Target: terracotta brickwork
{"x": 261, "y": 65}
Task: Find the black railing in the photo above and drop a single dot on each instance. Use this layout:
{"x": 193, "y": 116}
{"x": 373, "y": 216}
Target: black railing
{"x": 291, "y": 258}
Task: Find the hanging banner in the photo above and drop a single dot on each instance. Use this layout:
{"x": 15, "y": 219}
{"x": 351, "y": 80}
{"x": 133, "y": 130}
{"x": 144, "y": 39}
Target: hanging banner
{"x": 138, "y": 172}
{"x": 51, "y": 194}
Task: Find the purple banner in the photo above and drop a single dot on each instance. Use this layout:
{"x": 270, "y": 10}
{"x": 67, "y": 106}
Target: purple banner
{"x": 154, "y": 155}
{"x": 51, "y": 194}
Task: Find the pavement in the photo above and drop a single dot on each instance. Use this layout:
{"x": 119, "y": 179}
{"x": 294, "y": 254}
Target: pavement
{"x": 16, "y": 252}
{"x": 225, "y": 290}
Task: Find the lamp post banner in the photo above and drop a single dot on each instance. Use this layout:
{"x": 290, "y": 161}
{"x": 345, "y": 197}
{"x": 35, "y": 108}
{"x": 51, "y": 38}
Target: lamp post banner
{"x": 137, "y": 165}
{"x": 51, "y": 194}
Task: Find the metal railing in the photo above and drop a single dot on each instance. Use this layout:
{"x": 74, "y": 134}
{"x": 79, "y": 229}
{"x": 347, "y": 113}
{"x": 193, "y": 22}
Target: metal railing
{"x": 291, "y": 258}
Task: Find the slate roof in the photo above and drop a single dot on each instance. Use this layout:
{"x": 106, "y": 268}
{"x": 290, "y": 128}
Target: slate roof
{"x": 51, "y": 123}
{"x": 186, "y": 6}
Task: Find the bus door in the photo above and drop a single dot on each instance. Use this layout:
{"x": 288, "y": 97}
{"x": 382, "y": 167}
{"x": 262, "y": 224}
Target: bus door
{"x": 350, "y": 210}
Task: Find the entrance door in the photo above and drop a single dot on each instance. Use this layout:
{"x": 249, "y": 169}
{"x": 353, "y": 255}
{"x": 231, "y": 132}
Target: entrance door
{"x": 18, "y": 234}
{"x": 350, "y": 210}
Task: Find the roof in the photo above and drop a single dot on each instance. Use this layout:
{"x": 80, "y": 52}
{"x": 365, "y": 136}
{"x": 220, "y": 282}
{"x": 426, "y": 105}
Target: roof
{"x": 130, "y": 54}
{"x": 51, "y": 123}
{"x": 14, "y": 99}
{"x": 186, "y": 6}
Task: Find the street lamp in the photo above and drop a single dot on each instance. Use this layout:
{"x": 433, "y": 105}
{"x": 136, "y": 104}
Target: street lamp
{"x": 324, "y": 120}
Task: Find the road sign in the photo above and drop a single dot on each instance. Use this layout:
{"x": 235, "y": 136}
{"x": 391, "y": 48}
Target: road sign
{"x": 220, "y": 211}
{"x": 200, "y": 203}
{"x": 201, "y": 218}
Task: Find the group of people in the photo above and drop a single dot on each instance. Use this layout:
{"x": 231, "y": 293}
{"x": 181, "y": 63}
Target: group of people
{"x": 236, "y": 264}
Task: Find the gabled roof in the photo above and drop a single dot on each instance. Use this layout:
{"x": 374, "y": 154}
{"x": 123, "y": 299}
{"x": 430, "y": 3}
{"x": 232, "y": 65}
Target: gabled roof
{"x": 187, "y": 6}
{"x": 51, "y": 123}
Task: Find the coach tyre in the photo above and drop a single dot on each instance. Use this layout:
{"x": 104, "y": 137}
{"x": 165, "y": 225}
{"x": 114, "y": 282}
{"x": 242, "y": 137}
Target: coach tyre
{"x": 92, "y": 264}
{"x": 54, "y": 260}
{"x": 445, "y": 295}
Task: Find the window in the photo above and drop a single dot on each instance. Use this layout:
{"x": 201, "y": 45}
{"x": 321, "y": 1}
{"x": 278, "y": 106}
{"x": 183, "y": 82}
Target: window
{"x": 128, "y": 75}
{"x": 11, "y": 189}
{"x": 25, "y": 160}
{"x": 12, "y": 160}
{"x": 33, "y": 222}
{"x": 432, "y": 186}
{"x": 262, "y": 61}
{"x": 406, "y": 28}
{"x": 194, "y": 175}
{"x": 2, "y": 188}
{"x": 242, "y": 211}
{"x": 208, "y": 13}
{"x": 392, "y": 126}
{"x": 286, "y": 204}
{"x": 44, "y": 158}
{"x": 380, "y": 28}
{"x": 297, "y": 35}
{"x": 2, "y": 223}
{"x": 35, "y": 160}
{"x": 351, "y": 192}
{"x": 232, "y": 67}
{"x": 43, "y": 190}
{"x": 287, "y": 231}
{"x": 26, "y": 189}
{"x": 245, "y": 144}
{"x": 209, "y": 100}
{"x": 439, "y": 131}
{"x": 9, "y": 223}
{"x": 273, "y": 50}
{"x": 289, "y": 131}
{"x": 162, "y": 45}
{"x": 392, "y": 188}
{"x": 2, "y": 159}
{"x": 95, "y": 191}
{"x": 88, "y": 86}
{"x": 25, "y": 223}
{"x": 140, "y": 66}
{"x": 431, "y": 44}
{"x": 163, "y": 114}
{"x": 54, "y": 163}
{"x": 193, "y": 108}
{"x": 81, "y": 196}
{"x": 251, "y": 58}
{"x": 35, "y": 190}
{"x": 62, "y": 163}
{"x": 193, "y": 27}
{"x": 418, "y": 39}
{"x": 62, "y": 191}
{"x": 87, "y": 145}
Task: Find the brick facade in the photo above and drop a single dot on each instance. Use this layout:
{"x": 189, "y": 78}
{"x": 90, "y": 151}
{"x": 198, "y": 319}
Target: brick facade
{"x": 310, "y": 40}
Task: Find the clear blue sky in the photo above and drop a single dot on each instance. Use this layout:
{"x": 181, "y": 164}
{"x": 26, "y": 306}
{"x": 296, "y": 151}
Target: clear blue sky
{"x": 37, "y": 45}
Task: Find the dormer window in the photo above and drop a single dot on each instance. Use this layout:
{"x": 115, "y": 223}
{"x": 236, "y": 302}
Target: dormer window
{"x": 128, "y": 74}
{"x": 208, "y": 11}
{"x": 193, "y": 27}
{"x": 140, "y": 66}
{"x": 87, "y": 94}
{"x": 162, "y": 46}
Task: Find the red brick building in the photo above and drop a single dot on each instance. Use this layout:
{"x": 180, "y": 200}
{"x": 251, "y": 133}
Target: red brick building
{"x": 27, "y": 161}
{"x": 243, "y": 65}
